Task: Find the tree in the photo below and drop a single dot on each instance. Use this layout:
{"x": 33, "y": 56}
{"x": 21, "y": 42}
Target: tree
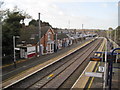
{"x": 33, "y": 22}
{"x": 118, "y": 35}
{"x": 114, "y": 37}
{"x": 11, "y": 27}
{"x": 36, "y": 23}
{"x": 110, "y": 28}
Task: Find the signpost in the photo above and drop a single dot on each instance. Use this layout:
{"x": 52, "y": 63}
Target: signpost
{"x": 101, "y": 69}
{"x": 17, "y": 48}
{"x": 14, "y": 37}
{"x": 93, "y": 74}
{"x": 109, "y": 57}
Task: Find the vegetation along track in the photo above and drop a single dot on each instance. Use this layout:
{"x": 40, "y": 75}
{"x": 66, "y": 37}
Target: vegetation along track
{"x": 54, "y": 75}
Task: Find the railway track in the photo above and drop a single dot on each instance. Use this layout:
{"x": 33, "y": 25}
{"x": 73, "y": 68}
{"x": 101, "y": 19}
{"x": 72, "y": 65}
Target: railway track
{"x": 56, "y": 74}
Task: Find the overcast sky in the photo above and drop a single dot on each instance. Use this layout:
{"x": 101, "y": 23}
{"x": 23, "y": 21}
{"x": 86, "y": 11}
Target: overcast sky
{"x": 95, "y": 14}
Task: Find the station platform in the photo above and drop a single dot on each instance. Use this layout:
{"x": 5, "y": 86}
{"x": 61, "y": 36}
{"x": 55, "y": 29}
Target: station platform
{"x": 83, "y": 80}
{"x": 98, "y": 82}
{"x": 39, "y": 67}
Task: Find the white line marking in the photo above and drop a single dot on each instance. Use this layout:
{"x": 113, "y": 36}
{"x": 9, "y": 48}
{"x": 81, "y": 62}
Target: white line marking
{"x": 80, "y": 76}
{"x": 44, "y": 67}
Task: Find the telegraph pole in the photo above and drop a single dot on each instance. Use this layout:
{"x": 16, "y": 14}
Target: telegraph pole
{"x": 92, "y": 33}
{"x": 69, "y": 24}
{"x": 39, "y": 34}
{"x": 56, "y": 42}
{"x": 82, "y": 31}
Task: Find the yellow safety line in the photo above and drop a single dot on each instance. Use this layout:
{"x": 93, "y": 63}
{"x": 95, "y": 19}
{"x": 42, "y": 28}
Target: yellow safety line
{"x": 42, "y": 63}
{"x": 93, "y": 77}
{"x": 94, "y": 71}
{"x": 19, "y": 74}
{"x": 26, "y": 59}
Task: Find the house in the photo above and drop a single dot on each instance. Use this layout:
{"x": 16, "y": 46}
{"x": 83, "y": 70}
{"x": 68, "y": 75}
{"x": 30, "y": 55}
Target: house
{"x": 63, "y": 40}
{"x": 29, "y": 41}
{"x": 47, "y": 39}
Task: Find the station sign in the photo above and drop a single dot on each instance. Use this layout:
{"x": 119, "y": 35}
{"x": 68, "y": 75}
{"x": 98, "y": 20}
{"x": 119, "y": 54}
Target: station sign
{"x": 17, "y": 48}
{"x": 101, "y": 69}
{"x": 93, "y": 74}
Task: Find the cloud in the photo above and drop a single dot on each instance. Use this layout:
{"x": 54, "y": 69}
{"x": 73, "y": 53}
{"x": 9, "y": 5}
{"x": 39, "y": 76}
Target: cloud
{"x": 84, "y": 0}
{"x": 57, "y": 16}
{"x": 104, "y": 5}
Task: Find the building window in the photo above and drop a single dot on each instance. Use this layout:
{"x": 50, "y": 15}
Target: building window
{"x": 51, "y": 46}
{"x": 49, "y": 35}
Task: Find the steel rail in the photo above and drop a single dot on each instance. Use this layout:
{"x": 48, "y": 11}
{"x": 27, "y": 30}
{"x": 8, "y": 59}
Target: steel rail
{"x": 57, "y": 81}
{"x": 58, "y": 70}
{"x": 51, "y": 71}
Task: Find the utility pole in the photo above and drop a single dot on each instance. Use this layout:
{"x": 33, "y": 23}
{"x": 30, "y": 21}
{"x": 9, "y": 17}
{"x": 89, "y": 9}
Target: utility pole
{"x": 92, "y": 33}
{"x": 14, "y": 51}
{"x": 39, "y": 34}
{"x": 105, "y": 68}
{"x": 56, "y": 42}
{"x": 68, "y": 27}
{"x": 69, "y": 24}
{"x": 82, "y": 31}
{"x": 82, "y": 26}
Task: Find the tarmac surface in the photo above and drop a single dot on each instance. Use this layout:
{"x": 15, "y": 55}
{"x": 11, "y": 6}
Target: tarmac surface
{"x": 98, "y": 82}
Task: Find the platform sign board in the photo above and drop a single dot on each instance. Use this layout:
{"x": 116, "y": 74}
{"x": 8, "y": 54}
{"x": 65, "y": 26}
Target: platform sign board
{"x": 17, "y": 48}
{"x": 101, "y": 69}
{"x": 93, "y": 74}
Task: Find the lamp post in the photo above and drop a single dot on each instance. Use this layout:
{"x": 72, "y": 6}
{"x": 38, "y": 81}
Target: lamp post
{"x": 82, "y": 31}
{"x": 39, "y": 34}
{"x": 56, "y": 42}
{"x": 14, "y": 49}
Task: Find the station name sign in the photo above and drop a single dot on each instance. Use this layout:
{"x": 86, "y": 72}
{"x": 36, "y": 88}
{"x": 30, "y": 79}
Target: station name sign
{"x": 93, "y": 74}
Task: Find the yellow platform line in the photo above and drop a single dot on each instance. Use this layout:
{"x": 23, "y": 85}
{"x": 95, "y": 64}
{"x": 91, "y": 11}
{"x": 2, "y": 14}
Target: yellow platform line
{"x": 89, "y": 86}
{"x": 93, "y": 77}
{"x": 37, "y": 68}
{"x": 27, "y": 59}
